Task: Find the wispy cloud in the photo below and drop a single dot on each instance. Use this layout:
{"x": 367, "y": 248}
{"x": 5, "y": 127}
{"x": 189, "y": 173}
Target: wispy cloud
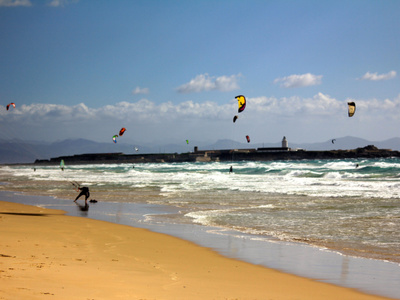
{"x": 138, "y": 90}
{"x": 319, "y": 105}
{"x": 13, "y": 3}
{"x": 204, "y": 82}
{"x": 60, "y": 3}
{"x": 27, "y": 3}
{"x": 295, "y": 81}
{"x": 377, "y": 77}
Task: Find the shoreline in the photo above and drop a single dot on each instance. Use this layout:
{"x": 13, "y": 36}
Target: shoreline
{"x": 293, "y": 258}
{"x": 101, "y": 260}
{"x": 59, "y": 188}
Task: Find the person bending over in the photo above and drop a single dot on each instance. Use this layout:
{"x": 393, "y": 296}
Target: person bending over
{"x": 84, "y": 192}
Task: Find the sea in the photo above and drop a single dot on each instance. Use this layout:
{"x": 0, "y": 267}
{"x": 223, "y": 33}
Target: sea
{"x": 349, "y": 208}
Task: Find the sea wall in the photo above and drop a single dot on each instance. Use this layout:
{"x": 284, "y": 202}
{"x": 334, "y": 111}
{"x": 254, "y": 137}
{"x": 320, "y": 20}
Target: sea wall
{"x": 262, "y": 154}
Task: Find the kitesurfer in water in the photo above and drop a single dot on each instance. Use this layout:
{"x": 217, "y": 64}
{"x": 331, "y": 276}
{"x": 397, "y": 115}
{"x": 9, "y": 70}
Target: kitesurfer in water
{"x": 84, "y": 192}
{"x": 230, "y": 169}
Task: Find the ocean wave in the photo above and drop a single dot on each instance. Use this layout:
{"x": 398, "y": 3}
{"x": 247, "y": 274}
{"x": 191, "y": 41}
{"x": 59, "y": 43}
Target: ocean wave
{"x": 327, "y": 203}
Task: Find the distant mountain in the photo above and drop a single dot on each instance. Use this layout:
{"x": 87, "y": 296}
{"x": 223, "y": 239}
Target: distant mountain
{"x": 17, "y": 151}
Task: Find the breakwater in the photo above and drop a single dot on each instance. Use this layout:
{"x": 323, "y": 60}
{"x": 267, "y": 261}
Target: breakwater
{"x": 259, "y": 154}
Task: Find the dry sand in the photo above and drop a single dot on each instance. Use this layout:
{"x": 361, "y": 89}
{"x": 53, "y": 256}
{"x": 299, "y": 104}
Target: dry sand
{"x": 47, "y": 255}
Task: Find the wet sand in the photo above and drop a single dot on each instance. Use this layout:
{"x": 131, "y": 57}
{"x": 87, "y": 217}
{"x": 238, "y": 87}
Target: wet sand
{"x": 44, "y": 253}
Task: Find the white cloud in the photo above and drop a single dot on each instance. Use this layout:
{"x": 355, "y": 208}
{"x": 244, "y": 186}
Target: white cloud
{"x": 148, "y": 111}
{"x": 319, "y": 105}
{"x": 138, "y": 90}
{"x": 143, "y": 110}
{"x": 377, "y": 77}
{"x": 204, "y": 82}
{"x": 52, "y": 112}
{"x": 265, "y": 118}
{"x": 295, "y": 81}
{"x": 10, "y": 3}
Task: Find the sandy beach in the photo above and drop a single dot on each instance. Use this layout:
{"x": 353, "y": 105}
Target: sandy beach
{"x": 45, "y": 254}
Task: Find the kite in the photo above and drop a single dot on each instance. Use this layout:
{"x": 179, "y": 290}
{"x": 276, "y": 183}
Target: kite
{"x": 137, "y": 149}
{"x": 352, "y": 108}
{"x": 187, "y": 142}
{"x": 115, "y": 138}
{"x": 11, "y": 104}
{"x": 235, "y": 118}
{"x": 241, "y": 103}
{"x": 248, "y": 138}
{"x": 121, "y": 132}
{"x": 333, "y": 141}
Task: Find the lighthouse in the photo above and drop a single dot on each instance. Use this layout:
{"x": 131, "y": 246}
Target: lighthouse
{"x": 285, "y": 143}
{"x": 284, "y": 148}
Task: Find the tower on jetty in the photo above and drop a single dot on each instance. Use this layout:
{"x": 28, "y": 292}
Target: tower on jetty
{"x": 285, "y": 143}
{"x": 284, "y": 148}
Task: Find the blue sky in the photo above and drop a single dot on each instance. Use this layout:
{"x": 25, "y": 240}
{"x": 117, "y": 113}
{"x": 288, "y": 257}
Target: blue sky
{"x": 170, "y": 70}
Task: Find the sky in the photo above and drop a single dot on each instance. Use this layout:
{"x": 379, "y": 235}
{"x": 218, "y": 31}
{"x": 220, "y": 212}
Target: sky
{"x": 170, "y": 70}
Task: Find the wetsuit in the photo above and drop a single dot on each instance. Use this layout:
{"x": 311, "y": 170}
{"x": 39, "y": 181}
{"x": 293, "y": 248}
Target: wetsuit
{"x": 85, "y": 192}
